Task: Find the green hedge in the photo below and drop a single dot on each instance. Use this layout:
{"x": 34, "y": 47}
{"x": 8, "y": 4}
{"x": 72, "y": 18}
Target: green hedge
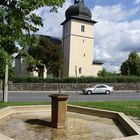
{"x": 116, "y": 79}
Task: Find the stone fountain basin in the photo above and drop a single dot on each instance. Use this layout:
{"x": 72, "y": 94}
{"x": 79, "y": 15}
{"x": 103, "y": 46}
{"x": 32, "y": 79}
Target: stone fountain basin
{"x": 17, "y": 122}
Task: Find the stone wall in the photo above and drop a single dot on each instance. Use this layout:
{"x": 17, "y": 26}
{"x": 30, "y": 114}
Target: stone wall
{"x": 68, "y": 86}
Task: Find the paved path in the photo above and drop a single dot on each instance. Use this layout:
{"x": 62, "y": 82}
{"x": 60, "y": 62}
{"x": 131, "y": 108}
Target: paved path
{"x": 73, "y": 96}
{"x": 135, "y": 119}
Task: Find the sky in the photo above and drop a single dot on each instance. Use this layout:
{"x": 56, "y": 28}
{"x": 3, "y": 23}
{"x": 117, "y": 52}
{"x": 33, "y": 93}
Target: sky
{"x": 116, "y": 34}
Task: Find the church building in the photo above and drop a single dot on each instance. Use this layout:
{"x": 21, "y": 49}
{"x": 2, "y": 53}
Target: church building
{"x": 77, "y": 43}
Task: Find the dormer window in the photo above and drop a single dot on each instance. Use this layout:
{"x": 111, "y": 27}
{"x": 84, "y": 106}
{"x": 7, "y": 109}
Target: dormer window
{"x": 82, "y": 28}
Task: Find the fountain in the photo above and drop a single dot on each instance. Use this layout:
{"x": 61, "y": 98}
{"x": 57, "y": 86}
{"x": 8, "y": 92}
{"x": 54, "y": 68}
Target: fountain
{"x": 61, "y": 122}
{"x": 59, "y": 108}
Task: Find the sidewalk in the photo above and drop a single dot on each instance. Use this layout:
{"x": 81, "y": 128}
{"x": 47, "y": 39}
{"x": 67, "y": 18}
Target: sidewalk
{"x": 126, "y": 91}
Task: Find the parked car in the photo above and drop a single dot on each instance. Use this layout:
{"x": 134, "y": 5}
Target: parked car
{"x": 101, "y": 88}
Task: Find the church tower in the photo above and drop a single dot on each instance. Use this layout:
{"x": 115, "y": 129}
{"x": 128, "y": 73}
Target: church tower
{"x": 78, "y": 41}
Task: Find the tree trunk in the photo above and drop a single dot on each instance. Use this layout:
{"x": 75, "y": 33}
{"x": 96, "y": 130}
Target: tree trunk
{"x": 5, "y": 90}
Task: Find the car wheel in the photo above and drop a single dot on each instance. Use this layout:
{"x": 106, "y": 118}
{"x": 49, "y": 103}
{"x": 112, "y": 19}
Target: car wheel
{"x": 107, "y": 92}
{"x": 89, "y": 92}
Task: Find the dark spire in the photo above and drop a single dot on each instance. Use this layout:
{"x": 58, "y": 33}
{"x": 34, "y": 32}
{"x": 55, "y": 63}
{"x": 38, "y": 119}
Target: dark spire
{"x": 79, "y": 11}
{"x": 79, "y": 1}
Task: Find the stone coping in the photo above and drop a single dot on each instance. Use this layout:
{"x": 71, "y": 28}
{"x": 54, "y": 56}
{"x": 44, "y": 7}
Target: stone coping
{"x": 129, "y": 126}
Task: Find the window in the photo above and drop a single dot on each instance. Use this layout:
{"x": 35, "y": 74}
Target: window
{"x": 101, "y": 86}
{"x": 84, "y": 55}
{"x": 82, "y": 28}
{"x": 80, "y": 70}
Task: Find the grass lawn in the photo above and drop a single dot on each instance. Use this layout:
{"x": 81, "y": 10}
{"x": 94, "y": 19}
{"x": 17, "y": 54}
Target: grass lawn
{"x": 131, "y": 108}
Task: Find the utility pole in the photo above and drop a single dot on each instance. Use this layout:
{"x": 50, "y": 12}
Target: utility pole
{"x": 5, "y": 90}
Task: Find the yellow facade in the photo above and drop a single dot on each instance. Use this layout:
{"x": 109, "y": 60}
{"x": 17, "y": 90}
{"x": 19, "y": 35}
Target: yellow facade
{"x": 78, "y": 49}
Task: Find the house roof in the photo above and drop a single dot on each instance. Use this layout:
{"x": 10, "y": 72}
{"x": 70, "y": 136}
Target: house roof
{"x": 97, "y": 62}
{"x": 52, "y": 39}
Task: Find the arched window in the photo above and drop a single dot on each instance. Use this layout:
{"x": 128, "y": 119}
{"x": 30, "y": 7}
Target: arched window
{"x": 84, "y": 55}
{"x": 82, "y": 28}
{"x": 80, "y": 70}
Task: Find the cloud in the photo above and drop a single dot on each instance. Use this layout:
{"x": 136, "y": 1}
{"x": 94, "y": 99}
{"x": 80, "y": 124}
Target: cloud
{"x": 115, "y": 37}
{"x": 137, "y": 1}
{"x": 113, "y": 13}
{"x": 52, "y": 20}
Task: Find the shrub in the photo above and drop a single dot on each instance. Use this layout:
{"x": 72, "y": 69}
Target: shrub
{"x": 114, "y": 79}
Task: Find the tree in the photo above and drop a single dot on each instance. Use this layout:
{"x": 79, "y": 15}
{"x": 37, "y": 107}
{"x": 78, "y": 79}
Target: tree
{"x": 2, "y": 61}
{"x": 18, "y": 21}
{"x": 105, "y": 73}
{"x": 51, "y": 56}
{"x": 132, "y": 65}
{"x": 5, "y": 60}
{"x": 3, "y": 57}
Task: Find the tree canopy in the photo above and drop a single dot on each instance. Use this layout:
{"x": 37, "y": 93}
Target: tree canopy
{"x": 47, "y": 54}
{"x": 18, "y": 21}
{"x": 105, "y": 73}
{"x": 132, "y": 65}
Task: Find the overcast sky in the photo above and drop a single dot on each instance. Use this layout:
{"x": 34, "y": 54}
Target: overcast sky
{"x": 117, "y": 32}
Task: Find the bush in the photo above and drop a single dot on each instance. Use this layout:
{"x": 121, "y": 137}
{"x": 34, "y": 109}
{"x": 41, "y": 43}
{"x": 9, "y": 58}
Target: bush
{"x": 114, "y": 79}
{"x": 34, "y": 80}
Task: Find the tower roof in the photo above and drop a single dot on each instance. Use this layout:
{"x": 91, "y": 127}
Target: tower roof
{"x": 79, "y": 11}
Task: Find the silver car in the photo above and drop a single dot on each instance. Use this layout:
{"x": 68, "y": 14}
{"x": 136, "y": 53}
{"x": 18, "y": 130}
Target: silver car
{"x": 101, "y": 88}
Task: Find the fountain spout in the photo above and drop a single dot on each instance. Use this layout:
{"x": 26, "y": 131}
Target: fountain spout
{"x": 59, "y": 110}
